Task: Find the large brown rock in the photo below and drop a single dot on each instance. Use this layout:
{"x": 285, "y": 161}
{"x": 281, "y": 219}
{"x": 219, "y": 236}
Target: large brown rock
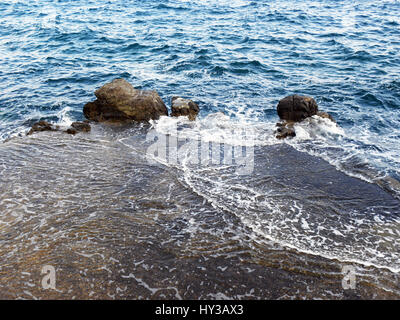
{"x": 120, "y": 101}
{"x": 297, "y": 108}
{"x": 184, "y": 107}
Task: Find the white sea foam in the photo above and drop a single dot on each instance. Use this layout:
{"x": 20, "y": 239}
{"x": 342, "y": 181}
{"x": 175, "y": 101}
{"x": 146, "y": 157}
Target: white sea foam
{"x": 291, "y": 224}
{"x": 64, "y": 117}
{"x": 316, "y": 136}
{"x": 219, "y": 128}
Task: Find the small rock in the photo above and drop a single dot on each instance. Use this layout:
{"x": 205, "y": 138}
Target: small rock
{"x": 119, "y": 101}
{"x": 71, "y": 131}
{"x": 326, "y": 115}
{"x": 285, "y": 130}
{"x": 42, "y": 126}
{"x": 46, "y": 126}
{"x": 297, "y": 108}
{"x": 81, "y": 126}
{"x": 184, "y": 107}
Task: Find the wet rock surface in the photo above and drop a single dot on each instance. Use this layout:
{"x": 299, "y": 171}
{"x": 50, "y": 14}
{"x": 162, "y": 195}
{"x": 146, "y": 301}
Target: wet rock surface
{"x": 297, "y": 108}
{"x": 119, "y": 101}
{"x": 75, "y": 127}
{"x": 294, "y": 109}
{"x": 41, "y": 126}
{"x": 184, "y": 107}
{"x": 285, "y": 130}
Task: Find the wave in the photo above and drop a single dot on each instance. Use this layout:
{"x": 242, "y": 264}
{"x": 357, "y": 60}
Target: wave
{"x": 360, "y": 225}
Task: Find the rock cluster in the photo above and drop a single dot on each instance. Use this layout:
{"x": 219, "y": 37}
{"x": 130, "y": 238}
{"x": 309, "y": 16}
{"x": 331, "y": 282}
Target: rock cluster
{"x": 42, "y": 126}
{"x": 73, "y": 129}
{"x": 296, "y": 108}
{"x": 118, "y": 101}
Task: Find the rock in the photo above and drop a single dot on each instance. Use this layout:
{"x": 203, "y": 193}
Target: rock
{"x": 42, "y": 126}
{"x": 184, "y": 107}
{"x": 120, "y": 101}
{"x": 46, "y": 126}
{"x": 326, "y": 115}
{"x": 71, "y": 131}
{"x": 296, "y": 108}
{"x": 79, "y": 127}
{"x": 285, "y": 130}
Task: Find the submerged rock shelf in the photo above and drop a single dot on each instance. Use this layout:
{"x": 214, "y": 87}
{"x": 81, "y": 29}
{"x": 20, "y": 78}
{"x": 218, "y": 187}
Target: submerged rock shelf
{"x": 116, "y": 226}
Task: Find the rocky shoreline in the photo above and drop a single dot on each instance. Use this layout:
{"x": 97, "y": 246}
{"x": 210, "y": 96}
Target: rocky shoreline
{"x": 119, "y": 102}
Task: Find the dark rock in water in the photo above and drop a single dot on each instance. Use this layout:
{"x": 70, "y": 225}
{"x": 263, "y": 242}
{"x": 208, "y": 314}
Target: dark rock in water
{"x": 42, "y": 126}
{"x": 46, "y": 126}
{"x": 326, "y": 115}
{"x": 71, "y": 131}
{"x": 81, "y": 126}
{"x": 184, "y": 107}
{"x": 120, "y": 101}
{"x": 297, "y": 108}
{"x": 293, "y": 109}
{"x": 285, "y": 130}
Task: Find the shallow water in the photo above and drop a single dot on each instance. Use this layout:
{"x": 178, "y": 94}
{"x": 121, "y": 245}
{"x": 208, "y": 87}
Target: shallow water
{"x": 116, "y": 226}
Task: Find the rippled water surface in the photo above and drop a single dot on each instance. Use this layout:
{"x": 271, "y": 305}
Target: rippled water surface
{"x": 117, "y": 226}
